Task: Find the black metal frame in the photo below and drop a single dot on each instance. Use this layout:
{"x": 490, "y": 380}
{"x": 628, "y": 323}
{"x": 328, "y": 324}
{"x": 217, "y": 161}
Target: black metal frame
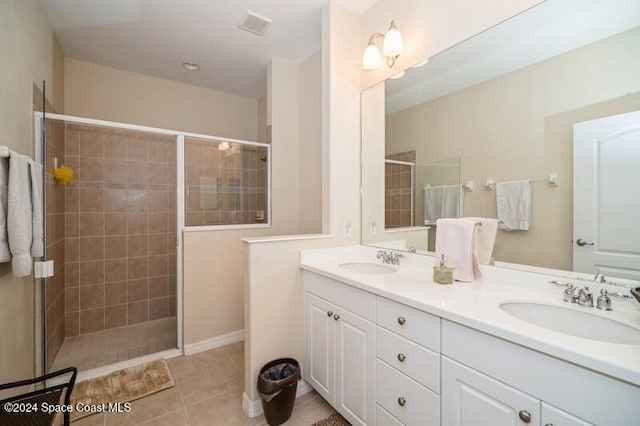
{"x": 37, "y": 397}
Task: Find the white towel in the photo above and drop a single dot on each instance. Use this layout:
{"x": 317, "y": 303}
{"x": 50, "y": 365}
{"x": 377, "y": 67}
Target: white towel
{"x": 5, "y": 253}
{"x": 514, "y": 205}
{"x": 19, "y": 214}
{"x": 456, "y": 240}
{"x": 442, "y": 201}
{"x": 37, "y": 240}
{"x": 485, "y": 237}
{"x": 433, "y": 196}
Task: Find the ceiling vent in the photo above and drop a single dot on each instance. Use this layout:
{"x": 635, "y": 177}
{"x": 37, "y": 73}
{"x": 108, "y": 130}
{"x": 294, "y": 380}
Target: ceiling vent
{"x": 255, "y": 23}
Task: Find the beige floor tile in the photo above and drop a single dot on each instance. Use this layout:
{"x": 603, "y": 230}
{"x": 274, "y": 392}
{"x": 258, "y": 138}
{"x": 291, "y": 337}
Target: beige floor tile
{"x": 147, "y": 408}
{"x": 94, "y": 420}
{"x": 174, "y": 418}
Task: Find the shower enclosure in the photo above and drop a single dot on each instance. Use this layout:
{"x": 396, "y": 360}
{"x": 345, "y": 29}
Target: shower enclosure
{"x": 114, "y": 233}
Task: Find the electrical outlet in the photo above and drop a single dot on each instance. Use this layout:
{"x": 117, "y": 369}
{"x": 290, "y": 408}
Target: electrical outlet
{"x": 373, "y": 226}
{"x": 346, "y": 227}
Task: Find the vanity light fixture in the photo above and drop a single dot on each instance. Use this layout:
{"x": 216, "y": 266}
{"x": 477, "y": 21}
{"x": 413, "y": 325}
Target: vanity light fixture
{"x": 392, "y": 47}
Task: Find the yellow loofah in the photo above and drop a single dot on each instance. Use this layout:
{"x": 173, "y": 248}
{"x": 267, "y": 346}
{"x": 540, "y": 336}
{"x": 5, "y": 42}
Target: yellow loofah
{"x": 63, "y": 175}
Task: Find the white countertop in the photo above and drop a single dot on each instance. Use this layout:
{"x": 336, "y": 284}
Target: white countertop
{"x": 476, "y": 305}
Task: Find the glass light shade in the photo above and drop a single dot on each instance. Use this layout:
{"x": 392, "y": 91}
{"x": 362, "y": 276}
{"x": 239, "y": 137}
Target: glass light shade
{"x": 371, "y": 57}
{"x": 393, "y": 44}
{"x": 224, "y": 146}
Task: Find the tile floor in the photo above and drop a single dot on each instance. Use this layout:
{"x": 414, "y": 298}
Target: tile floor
{"x": 118, "y": 344}
{"x": 208, "y": 392}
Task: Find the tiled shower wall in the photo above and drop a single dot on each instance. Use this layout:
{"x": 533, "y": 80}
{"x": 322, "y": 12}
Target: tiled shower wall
{"x": 398, "y": 189}
{"x": 120, "y": 222}
{"x": 225, "y": 187}
{"x": 54, "y": 286}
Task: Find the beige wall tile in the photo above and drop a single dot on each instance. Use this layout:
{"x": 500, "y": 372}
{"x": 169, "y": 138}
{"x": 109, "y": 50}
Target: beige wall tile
{"x": 91, "y": 321}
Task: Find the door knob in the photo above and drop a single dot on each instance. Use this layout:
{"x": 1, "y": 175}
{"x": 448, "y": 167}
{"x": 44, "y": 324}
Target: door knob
{"x": 329, "y": 313}
{"x": 401, "y": 320}
{"x": 583, "y": 243}
{"x": 525, "y": 416}
{"x": 402, "y": 401}
{"x": 336, "y": 317}
{"x": 401, "y": 357}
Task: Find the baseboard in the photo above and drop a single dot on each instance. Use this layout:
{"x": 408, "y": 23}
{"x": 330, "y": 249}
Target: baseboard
{"x": 215, "y": 342}
{"x": 254, "y": 408}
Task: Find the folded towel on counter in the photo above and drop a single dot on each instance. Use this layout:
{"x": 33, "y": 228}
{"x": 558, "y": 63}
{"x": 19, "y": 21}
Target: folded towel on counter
{"x": 514, "y": 205}
{"x": 456, "y": 240}
{"x": 5, "y": 253}
{"x": 20, "y": 214}
{"x": 485, "y": 237}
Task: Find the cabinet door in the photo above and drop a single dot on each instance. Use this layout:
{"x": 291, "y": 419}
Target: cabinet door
{"x": 551, "y": 416}
{"x": 470, "y": 398}
{"x": 319, "y": 365}
{"x": 355, "y": 368}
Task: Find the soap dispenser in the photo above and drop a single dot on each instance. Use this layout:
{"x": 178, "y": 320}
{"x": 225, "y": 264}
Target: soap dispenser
{"x": 442, "y": 274}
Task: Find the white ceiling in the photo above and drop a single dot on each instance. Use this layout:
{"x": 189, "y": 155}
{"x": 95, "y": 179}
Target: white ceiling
{"x": 156, "y": 36}
{"x": 549, "y": 29}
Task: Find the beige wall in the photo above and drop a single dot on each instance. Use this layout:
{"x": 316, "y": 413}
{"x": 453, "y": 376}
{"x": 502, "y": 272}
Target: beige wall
{"x": 310, "y": 145}
{"x": 530, "y": 144}
{"x": 31, "y": 54}
{"x": 105, "y": 93}
{"x": 213, "y": 269}
{"x": 272, "y": 276}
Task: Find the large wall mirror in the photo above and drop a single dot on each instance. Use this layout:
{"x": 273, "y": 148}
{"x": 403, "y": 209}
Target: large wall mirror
{"x": 512, "y": 103}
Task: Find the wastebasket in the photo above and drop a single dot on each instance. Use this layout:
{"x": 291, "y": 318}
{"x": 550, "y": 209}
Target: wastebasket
{"x": 277, "y": 385}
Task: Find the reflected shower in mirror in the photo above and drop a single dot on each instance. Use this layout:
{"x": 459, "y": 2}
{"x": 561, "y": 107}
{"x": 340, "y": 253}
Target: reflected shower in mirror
{"x": 505, "y": 102}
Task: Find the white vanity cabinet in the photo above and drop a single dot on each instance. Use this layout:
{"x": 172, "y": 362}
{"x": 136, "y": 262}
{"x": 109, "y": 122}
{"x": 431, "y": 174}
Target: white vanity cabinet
{"x": 340, "y": 347}
{"x": 408, "y": 366}
{"x": 471, "y": 398}
{"x": 497, "y": 382}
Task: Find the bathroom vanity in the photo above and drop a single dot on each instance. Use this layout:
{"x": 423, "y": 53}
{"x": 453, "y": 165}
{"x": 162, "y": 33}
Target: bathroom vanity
{"x": 387, "y": 346}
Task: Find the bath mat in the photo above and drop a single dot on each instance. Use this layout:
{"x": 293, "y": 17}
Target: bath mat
{"x": 333, "y": 420}
{"x": 124, "y": 385}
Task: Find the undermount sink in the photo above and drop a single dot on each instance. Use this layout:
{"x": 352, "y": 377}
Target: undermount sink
{"x": 573, "y": 322}
{"x": 368, "y": 268}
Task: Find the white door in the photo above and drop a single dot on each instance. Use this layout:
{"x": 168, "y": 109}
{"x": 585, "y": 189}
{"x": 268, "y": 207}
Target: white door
{"x": 355, "y": 368}
{"x": 470, "y": 398}
{"x": 606, "y": 196}
{"x": 319, "y": 368}
{"x": 551, "y": 416}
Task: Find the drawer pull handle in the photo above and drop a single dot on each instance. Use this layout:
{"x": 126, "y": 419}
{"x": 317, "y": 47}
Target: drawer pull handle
{"x": 336, "y": 317}
{"x": 402, "y": 401}
{"x": 329, "y": 313}
{"x": 401, "y": 357}
{"x": 401, "y": 320}
{"x": 525, "y": 416}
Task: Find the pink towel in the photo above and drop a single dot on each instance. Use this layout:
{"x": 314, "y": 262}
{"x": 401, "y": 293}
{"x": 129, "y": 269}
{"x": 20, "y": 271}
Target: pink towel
{"x": 456, "y": 240}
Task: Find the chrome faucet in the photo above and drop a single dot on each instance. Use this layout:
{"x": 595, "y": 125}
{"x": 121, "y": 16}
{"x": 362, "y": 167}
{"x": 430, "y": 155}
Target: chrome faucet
{"x": 604, "y": 302}
{"x": 389, "y": 257}
{"x": 585, "y": 297}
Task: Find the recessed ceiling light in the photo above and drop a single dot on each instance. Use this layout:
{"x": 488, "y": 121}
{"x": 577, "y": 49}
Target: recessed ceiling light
{"x": 191, "y": 66}
{"x": 396, "y": 76}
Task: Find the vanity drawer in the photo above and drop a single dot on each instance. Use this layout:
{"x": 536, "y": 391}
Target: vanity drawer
{"x": 411, "y": 323}
{"x": 358, "y": 301}
{"x": 404, "y": 398}
{"x": 383, "y": 418}
{"x": 419, "y": 363}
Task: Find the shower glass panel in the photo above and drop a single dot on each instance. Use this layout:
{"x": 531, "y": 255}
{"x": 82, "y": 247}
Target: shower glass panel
{"x": 226, "y": 183}
{"x": 112, "y": 234}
